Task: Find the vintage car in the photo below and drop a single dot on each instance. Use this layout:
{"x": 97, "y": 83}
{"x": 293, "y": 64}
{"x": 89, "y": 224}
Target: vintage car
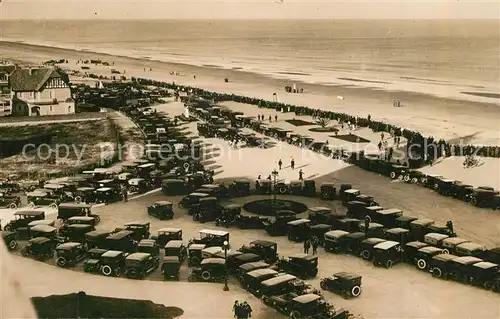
{"x": 191, "y": 199}
{"x": 112, "y": 263}
{"x": 299, "y": 229}
{"x": 439, "y": 265}
{"x": 350, "y": 195}
{"x": 313, "y": 306}
{"x": 69, "y": 210}
{"x": 211, "y": 269}
{"x": 139, "y": 265}
{"x": 230, "y": 214}
{"x": 161, "y": 210}
{"x": 40, "y": 248}
{"x": 400, "y": 235}
{"x": 176, "y": 248}
{"x": 317, "y": 232}
{"x": 470, "y": 249}
{"x": 278, "y": 226}
{"x": 93, "y": 263}
{"x": 367, "y": 247}
{"x": 23, "y": 218}
{"x": 107, "y": 195}
{"x": 387, "y": 217}
{"x": 367, "y": 199}
{"x": 39, "y": 198}
{"x": 419, "y": 226}
{"x": 209, "y": 238}
{"x": 45, "y": 231}
{"x": 435, "y": 239}
{"x": 76, "y": 232}
{"x": 170, "y": 267}
{"x": 404, "y": 221}
{"x": 328, "y": 191}
{"x": 236, "y": 259}
{"x": 239, "y": 188}
{"x": 492, "y": 255}
{"x": 357, "y": 209}
{"x": 83, "y": 220}
{"x": 483, "y": 274}
{"x": 148, "y": 246}
{"x": 121, "y": 241}
{"x": 459, "y": 268}
{"x": 450, "y": 244}
{"x": 334, "y": 241}
{"x": 9, "y": 201}
{"x": 424, "y": 255}
{"x": 387, "y": 254}
{"x": 342, "y": 189}
{"x": 268, "y": 250}
{"x": 278, "y": 285}
{"x": 208, "y": 209}
{"x": 348, "y": 224}
{"x": 370, "y": 211}
{"x": 85, "y": 195}
{"x": 343, "y": 283}
{"x": 173, "y": 186}
{"x": 263, "y": 186}
{"x": 252, "y": 280}
{"x": 373, "y": 229}
{"x": 96, "y": 238}
{"x": 70, "y": 253}
{"x": 323, "y": 215}
{"x": 301, "y": 265}
{"x": 411, "y": 248}
{"x": 139, "y": 228}
{"x": 139, "y": 185}
{"x": 245, "y": 268}
{"x": 195, "y": 254}
{"x": 164, "y": 235}
{"x": 9, "y": 238}
{"x": 482, "y": 197}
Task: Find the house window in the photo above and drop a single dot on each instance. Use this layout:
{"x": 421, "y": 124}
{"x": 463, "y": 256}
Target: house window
{"x": 31, "y": 94}
{"x": 51, "y": 108}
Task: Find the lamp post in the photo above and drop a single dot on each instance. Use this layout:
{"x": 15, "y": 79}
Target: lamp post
{"x": 226, "y": 246}
{"x": 275, "y": 176}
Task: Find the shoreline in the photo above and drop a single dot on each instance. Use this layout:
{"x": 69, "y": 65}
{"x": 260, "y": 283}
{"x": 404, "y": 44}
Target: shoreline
{"x": 445, "y": 118}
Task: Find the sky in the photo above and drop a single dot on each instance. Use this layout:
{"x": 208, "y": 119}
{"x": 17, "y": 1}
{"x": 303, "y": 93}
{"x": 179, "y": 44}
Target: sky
{"x": 249, "y": 9}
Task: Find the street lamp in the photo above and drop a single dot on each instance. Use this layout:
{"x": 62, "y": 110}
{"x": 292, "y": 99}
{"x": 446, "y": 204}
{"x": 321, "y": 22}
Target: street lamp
{"x": 275, "y": 176}
{"x": 225, "y": 246}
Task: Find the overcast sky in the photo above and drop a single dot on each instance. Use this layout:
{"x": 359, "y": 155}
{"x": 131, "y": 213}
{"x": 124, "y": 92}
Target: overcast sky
{"x": 246, "y": 9}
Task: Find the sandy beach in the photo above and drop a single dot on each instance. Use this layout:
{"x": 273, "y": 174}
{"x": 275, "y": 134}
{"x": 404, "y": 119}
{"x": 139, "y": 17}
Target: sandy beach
{"x": 442, "y": 114}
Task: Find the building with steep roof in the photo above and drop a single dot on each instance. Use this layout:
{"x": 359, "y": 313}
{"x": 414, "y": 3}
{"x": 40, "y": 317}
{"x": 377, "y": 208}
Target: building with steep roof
{"x": 5, "y": 92}
{"x": 40, "y": 91}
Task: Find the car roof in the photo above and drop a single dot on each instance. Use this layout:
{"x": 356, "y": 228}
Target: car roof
{"x": 196, "y": 247}
{"x": 98, "y": 232}
{"x": 39, "y": 240}
{"x": 262, "y": 272}
{"x": 170, "y": 230}
{"x": 254, "y": 265}
{"x": 29, "y": 213}
{"x": 298, "y": 222}
{"x": 171, "y": 259}
{"x": 147, "y": 242}
{"x": 138, "y": 256}
{"x": 417, "y": 244}
{"x": 121, "y": 234}
{"x": 306, "y": 298}
{"x": 41, "y": 222}
{"x": 485, "y": 265}
{"x": 347, "y": 275}
{"x": 36, "y": 194}
{"x": 232, "y": 206}
{"x": 397, "y": 230}
{"x": 304, "y": 256}
{"x": 319, "y": 209}
{"x": 105, "y": 181}
{"x": 436, "y": 236}
{"x": 444, "y": 257}
{"x": 68, "y": 246}
{"x": 356, "y": 235}
{"x": 352, "y": 190}
{"x": 467, "y": 260}
{"x": 321, "y": 226}
{"x": 374, "y": 240}
{"x": 263, "y": 243}
{"x": 138, "y": 223}
{"x": 80, "y": 226}
{"x": 389, "y": 211}
{"x": 103, "y": 189}
{"x": 406, "y": 218}
{"x": 336, "y": 233}
{"x": 85, "y": 218}
{"x": 455, "y": 240}
{"x": 163, "y": 203}
{"x": 199, "y": 194}
{"x": 278, "y": 280}
{"x": 471, "y": 246}
{"x": 74, "y": 205}
{"x": 112, "y": 253}
{"x": 422, "y": 221}
{"x": 375, "y": 208}
{"x": 214, "y": 232}
{"x": 43, "y": 228}
{"x": 248, "y": 256}
{"x": 430, "y": 249}
{"x": 386, "y": 245}
{"x": 212, "y": 249}
{"x": 137, "y": 179}
{"x": 218, "y": 261}
{"x": 174, "y": 244}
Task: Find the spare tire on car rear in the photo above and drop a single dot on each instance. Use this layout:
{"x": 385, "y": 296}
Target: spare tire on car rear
{"x": 61, "y": 261}
{"x": 206, "y": 275}
{"x": 356, "y": 291}
{"x": 106, "y": 270}
{"x": 421, "y": 264}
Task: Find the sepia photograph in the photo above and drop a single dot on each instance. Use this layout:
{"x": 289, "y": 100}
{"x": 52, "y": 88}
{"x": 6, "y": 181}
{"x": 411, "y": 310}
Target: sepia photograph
{"x": 217, "y": 159}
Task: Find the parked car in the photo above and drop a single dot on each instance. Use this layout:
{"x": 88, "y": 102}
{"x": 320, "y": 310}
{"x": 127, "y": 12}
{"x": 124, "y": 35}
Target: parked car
{"x": 194, "y": 254}
{"x": 39, "y": 198}
{"x": 139, "y": 265}
{"x": 191, "y": 199}
{"x": 387, "y": 217}
{"x": 299, "y": 229}
{"x": 334, "y": 241}
{"x": 76, "y": 232}
{"x": 209, "y": 238}
{"x": 348, "y": 224}
{"x": 459, "y": 269}
{"x": 239, "y": 188}
{"x": 9, "y": 238}
{"x": 410, "y": 250}
{"x": 483, "y": 274}
{"x": 211, "y": 269}
{"x": 252, "y": 281}
{"x": 343, "y": 283}
{"x": 167, "y": 234}
{"x": 236, "y": 259}
{"x": 40, "y": 248}
{"x": 404, "y": 221}
{"x": 23, "y": 218}
{"x": 470, "y": 249}
{"x": 439, "y": 265}
{"x": 400, "y": 235}
{"x": 323, "y": 215}
{"x": 85, "y": 195}
{"x": 373, "y": 230}
{"x": 70, "y": 253}
{"x": 268, "y": 250}
{"x": 121, "y": 241}
{"x": 387, "y": 254}
{"x": 230, "y": 214}
{"x": 107, "y": 195}
{"x": 423, "y": 256}
{"x": 149, "y": 246}
{"x": 66, "y": 211}
{"x": 139, "y": 228}
{"x": 176, "y": 248}
{"x": 208, "y": 209}
{"x": 278, "y": 226}
{"x": 278, "y": 285}
{"x": 317, "y": 232}
{"x": 314, "y": 306}
{"x": 450, "y": 244}
{"x": 93, "y": 263}
{"x": 112, "y": 263}
{"x": 161, "y": 210}
{"x": 367, "y": 246}
{"x": 83, "y": 220}
{"x": 96, "y": 238}
{"x": 418, "y": 227}
{"x": 9, "y": 201}
{"x": 170, "y": 267}
{"x": 302, "y": 265}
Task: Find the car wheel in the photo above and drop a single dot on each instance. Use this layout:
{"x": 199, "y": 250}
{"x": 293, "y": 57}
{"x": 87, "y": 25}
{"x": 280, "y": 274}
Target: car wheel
{"x": 437, "y": 272}
{"x": 473, "y": 201}
{"x": 118, "y": 272}
{"x": 12, "y": 244}
{"x": 406, "y": 178}
{"x": 7, "y": 228}
{"x": 61, "y": 262}
{"x": 389, "y": 264}
{"x": 365, "y": 254}
{"x": 132, "y": 273}
{"x": 295, "y": 315}
{"x": 445, "y": 251}
{"x": 393, "y": 175}
{"x": 488, "y": 285}
{"x": 196, "y": 217}
{"x": 356, "y": 291}
{"x": 414, "y": 180}
{"x": 12, "y": 206}
{"x": 421, "y": 264}
{"x": 206, "y": 275}
{"x": 78, "y": 199}
{"x": 133, "y": 189}
{"x": 322, "y": 284}
{"x": 400, "y": 178}
{"x": 53, "y": 205}
{"x": 282, "y": 190}
{"x": 194, "y": 260}
{"x": 192, "y": 278}
{"x": 97, "y": 219}
{"x": 106, "y": 270}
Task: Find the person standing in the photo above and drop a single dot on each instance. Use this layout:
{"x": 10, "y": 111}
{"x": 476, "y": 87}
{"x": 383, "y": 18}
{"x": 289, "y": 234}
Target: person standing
{"x": 307, "y": 245}
{"x": 315, "y": 244}
{"x": 301, "y": 175}
{"x": 236, "y": 310}
{"x": 270, "y": 119}
{"x": 248, "y": 310}
{"x": 292, "y": 164}
{"x": 276, "y": 118}
{"x": 280, "y": 163}
{"x": 125, "y": 194}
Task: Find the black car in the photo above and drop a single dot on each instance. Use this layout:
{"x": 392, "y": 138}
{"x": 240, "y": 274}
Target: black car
{"x": 207, "y": 210}
{"x": 439, "y": 265}
{"x": 23, "y": 218}
{"x": 343, "y": 283}
{"x": 278, "y": 226}
{"x": 239, "y": 188}
{"x": 96, "y": 238}
{"x": 210, "y": 238}
{"x": 149, "y": 246}
{"x": 400, "y": 235}
{"x": 459, "y": 269}
{"x": 176, "y": 248}
{"x": 299, "y": 229}
{"x": 302, "y": 265}
{"x": 112, "y": 263}
{"x": 139, "y": 228}
{"x": 335, "y": 241}
{"x": 367, "y": 246}
{"x": 9, "y": 238}
{"x": 170, "y": 267}
{"x": 211, "y": 269}
{"x": 252, "y": 281}
{"x": 410, "y": 250}
{"x": 422, "y": 256}
{"x": 40, "y": 248}
{"x": 76, "y": 232}
{"x": 121, "y": 241}
{"x": 93, "y": 263}
{"x": 139, "y": 265}
{"x": 483, "y": 274}
{"x": 387, "y": 254}
{"x": 195, "y": 254}
{"x": 68, "y": 210}
{"x": 191, "y": 199}
{"x": 268, "y": 250}
{"x": 165, "y": 235}
{"x": 161, "y": 210}
{"x": 231, "y": 214}
{"x": 69, "y": 254}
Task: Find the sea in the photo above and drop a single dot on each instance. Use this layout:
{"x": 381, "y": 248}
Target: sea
{"x": 307, "y": 50}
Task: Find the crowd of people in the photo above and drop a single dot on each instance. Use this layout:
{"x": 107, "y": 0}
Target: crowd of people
{"x": 242, "y": 310}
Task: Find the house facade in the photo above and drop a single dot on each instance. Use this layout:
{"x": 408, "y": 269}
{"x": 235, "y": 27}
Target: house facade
{"x": 39, "y": 92}
{"x": 5, "y": 92}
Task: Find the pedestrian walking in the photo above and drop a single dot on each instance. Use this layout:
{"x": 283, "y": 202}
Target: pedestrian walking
{"x": 315, "y": 244}
{"x": 276, "y": 118}
{"x": 258, "y": 117}
{"x": 292, "y": 164}
{"x": 125, "y": 195}
{"x": 307, "y": 245}
{"x": 248, "y": 310}
{"x": 301, "y": 175}
{"x": 270, "y": 119}
{"x": 382, "y": 136}
{"x": 280, "y": 163}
